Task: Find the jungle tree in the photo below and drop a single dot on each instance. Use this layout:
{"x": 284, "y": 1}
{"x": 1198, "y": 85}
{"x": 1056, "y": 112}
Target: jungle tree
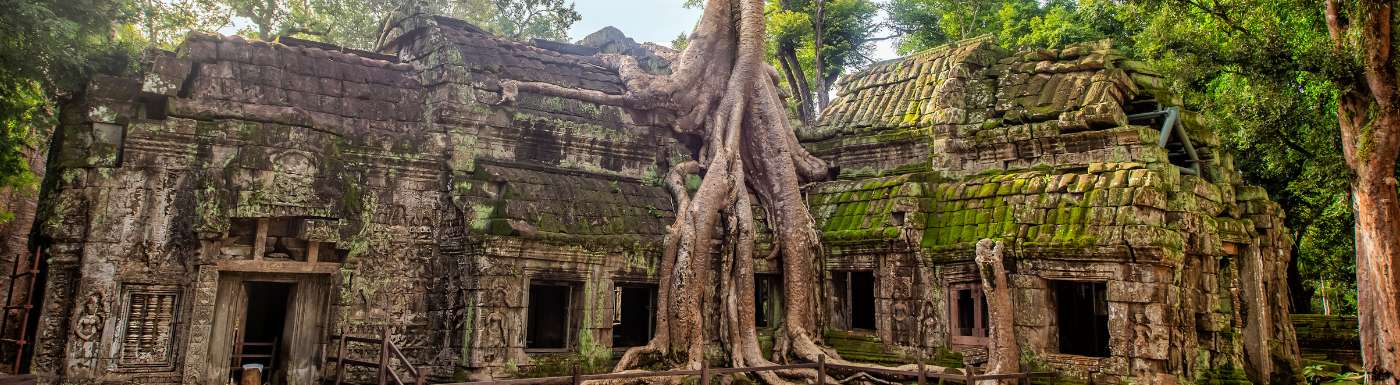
{"x": 724, "y": 93}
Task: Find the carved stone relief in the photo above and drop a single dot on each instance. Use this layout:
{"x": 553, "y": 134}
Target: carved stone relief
{"x": 87, "y": 329}
{"x": 147, "y": 326}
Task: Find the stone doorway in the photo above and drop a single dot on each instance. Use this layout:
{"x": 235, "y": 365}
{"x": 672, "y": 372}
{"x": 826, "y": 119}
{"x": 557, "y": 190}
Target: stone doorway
{"x": 257, "y": 341}
{"x": 855, "y": 299}
{"x": 270, "y": 319}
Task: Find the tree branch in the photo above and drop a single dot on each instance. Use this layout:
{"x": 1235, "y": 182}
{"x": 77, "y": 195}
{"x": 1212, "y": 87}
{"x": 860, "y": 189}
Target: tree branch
{"x": 1221, "y": 15}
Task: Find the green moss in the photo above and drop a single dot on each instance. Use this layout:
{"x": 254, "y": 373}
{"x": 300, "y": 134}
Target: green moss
{"x": 1224, "y": 375}
{"x": 861, "y": 348}
{"x": 556, "y": 365}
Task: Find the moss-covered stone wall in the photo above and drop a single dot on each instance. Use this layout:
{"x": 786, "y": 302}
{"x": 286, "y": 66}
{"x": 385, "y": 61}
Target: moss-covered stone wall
{"x": 431, "y": 207}
{"x": 1049, "y": 151}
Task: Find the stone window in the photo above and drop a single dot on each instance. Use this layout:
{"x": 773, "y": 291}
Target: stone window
{"x": 148, "y": 326}
{"x": 634, "y": 320}
{"x": 1081, "y": 313}
{"x": 767, "y": 299}
{"x": 152, "y": 108}
{"x": 301, "y": 239}
{"x": 552, "y": 315}
{"x": 280, "y": 239}
{"x": 967, "y": 314}
{"x": 855, "y": 299}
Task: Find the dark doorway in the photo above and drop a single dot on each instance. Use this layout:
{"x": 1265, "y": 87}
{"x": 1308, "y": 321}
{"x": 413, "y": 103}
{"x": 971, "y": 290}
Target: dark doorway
{"x": 259, "y": 341}
{"x": 1082, "y": 316}
{"x": 862, "y": 300}
{"x": 767, "y": 299}
{"x": 550, "y": 314}
{"x": 635, "y": 317}
{"x": 274, "y": 320}
{"x": 855, "y": 292}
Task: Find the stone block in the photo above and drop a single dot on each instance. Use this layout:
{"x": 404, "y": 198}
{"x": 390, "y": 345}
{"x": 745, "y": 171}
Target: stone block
{"x": 166, "y": 76}
{"x": 1025, "y": 281}
{"x": 1133, "y": 292}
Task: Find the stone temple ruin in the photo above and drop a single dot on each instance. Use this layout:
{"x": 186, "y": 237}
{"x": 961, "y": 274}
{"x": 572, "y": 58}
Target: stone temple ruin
{"x": 237, "y": 193}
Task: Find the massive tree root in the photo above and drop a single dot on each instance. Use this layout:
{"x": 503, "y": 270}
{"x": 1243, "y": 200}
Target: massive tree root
{"x": 724, "y": 93}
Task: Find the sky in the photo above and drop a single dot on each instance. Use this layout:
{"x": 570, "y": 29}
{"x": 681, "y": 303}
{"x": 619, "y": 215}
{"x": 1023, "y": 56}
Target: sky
{"x": 657, "y": 21}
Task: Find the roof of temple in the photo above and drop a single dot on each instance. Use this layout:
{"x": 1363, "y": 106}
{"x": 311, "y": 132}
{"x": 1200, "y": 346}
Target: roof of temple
{"x": 566, "y": 206}
{"x": 970, "y": 141}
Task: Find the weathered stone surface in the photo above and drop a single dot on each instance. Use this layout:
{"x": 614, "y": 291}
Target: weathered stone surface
{"x": 1051, "y": 164}
{"x": 394, "y": 187}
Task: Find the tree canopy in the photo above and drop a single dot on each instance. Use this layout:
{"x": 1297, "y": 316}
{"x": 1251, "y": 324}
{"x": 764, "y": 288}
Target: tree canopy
{"x": 48, "y": 49}
{"x": 1262, "y": 73}
{"x": 1265, "y": 72}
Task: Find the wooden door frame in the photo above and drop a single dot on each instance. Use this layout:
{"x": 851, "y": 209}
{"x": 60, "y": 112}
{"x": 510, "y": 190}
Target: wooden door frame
{"x": 200, "y": 348}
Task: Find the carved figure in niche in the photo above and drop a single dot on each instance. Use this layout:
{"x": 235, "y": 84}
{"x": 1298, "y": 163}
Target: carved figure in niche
{"x": 293, "y": 174}
{"x": 900, "y": 312}
{"x": 928, "y": 323}
{"x": 495, "y": 337}
{"x": 87, "y": 326}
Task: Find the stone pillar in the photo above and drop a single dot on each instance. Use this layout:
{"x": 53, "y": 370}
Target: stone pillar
{"x": 51, "y": 338}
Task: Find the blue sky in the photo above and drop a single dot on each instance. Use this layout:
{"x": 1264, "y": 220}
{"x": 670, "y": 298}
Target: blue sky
{"x": 657, "y": 21}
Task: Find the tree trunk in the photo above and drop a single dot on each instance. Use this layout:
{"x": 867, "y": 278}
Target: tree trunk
{"x": 797, "y": 80}
{"x": 1003, "y": 354}
{"x": 722, "y": 91}
{"x": 1368, "y": 112}
{"x": 817, "y": 24}
{"x": 1377, "y": 232}
{"x": 1299, "y": 294}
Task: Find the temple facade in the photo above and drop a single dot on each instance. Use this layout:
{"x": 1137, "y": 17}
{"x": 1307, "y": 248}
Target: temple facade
{"x": 240, "y": 201}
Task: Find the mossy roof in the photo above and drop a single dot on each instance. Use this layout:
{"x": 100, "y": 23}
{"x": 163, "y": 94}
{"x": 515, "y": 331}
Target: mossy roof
{"x": 895, "y": 94}
{"x": 569, "y": 206}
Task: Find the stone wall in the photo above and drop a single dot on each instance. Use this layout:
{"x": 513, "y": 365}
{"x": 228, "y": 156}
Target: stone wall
{"x": 1331, "y": 338}
{"x": 1049, "y": 151}
{"x": 430, "y": 207}
{"x": 397, "y": 192}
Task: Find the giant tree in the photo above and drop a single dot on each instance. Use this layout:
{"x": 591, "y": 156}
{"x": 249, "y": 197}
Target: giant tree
{"x": 1368, "y": 111}
{"x": 1293, "y": 49}
{"x": 724, "y": 93}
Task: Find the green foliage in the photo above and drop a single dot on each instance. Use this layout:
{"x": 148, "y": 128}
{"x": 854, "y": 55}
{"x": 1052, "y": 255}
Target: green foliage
{"x": 1262, "y": 72}
{"x": 349, "y": 23}
{"x": 924, "y": 24}
{"x": 680, "y": 42}
{"x": 47, "y": 50}
{"x": 848, "y": 35}
{"x": 1321, "y": 375}
{"x": 163, "y": 23}
{"x": 525, "y": 19}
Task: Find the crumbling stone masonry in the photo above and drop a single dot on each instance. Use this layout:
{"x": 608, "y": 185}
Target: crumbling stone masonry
{"x": 237, "y": 192}
{"x": 1063, "y": 154}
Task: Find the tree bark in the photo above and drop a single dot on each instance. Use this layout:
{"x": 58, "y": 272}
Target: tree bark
{"x": 1369, "y": 117}
{"x": 1299, "y": 295}
{"x": 797, "y": 80}
{"x": 722, "y": 91}
{"x": 1003, "y": 354}
{"x": 817, "y": 24}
